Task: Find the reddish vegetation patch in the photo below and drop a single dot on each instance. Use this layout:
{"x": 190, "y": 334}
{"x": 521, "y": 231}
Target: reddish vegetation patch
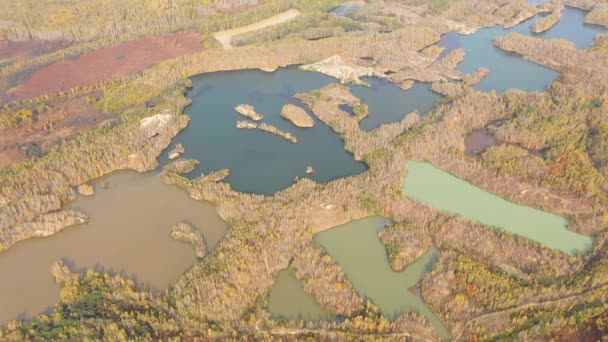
{"x": 110, "y": 63}
{"x": 15, "y": 51}
{"x": 61, "y": 120}
{"x": 478, "y": 141}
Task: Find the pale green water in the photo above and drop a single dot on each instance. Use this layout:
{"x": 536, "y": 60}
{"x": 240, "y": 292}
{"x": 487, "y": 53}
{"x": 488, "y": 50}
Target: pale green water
{"x": 287, "y": 300}
{"x": 445, "y": 192}
{"x": 356, "y": 247}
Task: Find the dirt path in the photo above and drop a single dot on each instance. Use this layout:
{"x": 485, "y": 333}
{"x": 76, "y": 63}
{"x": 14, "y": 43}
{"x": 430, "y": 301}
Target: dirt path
{"x": 225, "y": 37}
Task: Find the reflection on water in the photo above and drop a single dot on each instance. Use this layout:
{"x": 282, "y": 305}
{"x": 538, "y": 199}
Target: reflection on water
{"x": 478, "y": 141}
{"x": 128, "y": 233}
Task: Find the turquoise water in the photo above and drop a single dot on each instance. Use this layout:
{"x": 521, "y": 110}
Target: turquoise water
{"x": 445, "y": 192}
{"x": 263, "y": 163}
{"x": 509, "y": 70}
{"x": 356, "y": 247}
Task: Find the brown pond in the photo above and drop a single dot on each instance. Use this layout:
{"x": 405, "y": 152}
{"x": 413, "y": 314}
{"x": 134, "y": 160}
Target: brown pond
{"x": 478, "y": 141}
{"x": 131, "y": 216}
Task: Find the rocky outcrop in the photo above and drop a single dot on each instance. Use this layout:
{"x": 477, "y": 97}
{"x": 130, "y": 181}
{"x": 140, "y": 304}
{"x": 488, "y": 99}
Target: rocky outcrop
{"x": 243, "y": 124}
{"x": 248, "y": 111}
{"x": 186, "y": 233}
{"x": 177, "y": 151}
{"x": 346, "y": 72}
{"x": 86, "y": 189}
{"x": 154, "y": 124}
{"x": 297, "y": 116}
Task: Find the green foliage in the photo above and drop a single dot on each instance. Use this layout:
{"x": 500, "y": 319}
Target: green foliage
{"x": 360, "y": 110}
{"x": 369, "y": 203}
{"x": 117, "y": 100}
{"x": 595, "y": 102}
{"x": 87, "y": 301}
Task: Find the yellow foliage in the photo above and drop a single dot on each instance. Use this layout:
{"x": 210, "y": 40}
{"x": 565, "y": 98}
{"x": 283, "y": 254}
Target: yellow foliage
{"x": 62, "y": 18}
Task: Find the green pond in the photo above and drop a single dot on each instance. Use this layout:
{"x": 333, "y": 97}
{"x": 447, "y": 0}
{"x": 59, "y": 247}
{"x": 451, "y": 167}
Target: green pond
{"x": 288, "y": 301}
{"x": 356, "y": 247}
{"x": 445, "y": 192}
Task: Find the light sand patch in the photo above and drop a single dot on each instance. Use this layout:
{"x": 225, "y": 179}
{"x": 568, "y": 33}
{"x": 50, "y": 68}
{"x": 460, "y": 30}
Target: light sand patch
{"x": 225, "y": 37}
{"x": 346, "y": 72}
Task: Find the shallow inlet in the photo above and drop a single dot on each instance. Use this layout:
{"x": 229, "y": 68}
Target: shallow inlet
{"x": 445, "y": 192}
{"x": 128, "y": 233}
{"x": 288, "y": 301}
{"x": 263, "y": 163}
{"x": 393, "y": 102}
{"x": 356, "y": 247}
{"x": 509, "y": 70}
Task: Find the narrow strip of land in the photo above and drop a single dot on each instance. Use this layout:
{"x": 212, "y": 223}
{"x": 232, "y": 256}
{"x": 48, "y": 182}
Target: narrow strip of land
{"x": 225, "y": 37}
{"x": 525, "y": 306}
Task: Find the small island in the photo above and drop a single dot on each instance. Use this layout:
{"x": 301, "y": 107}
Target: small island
{"x": 266, "y": 128}
{"x": 248, "y": 111}
{"x": 187, "y": 233}
{"x": 297, "y": 116}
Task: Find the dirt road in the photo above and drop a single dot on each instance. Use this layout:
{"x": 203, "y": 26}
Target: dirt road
{"x": 225, "y": 37}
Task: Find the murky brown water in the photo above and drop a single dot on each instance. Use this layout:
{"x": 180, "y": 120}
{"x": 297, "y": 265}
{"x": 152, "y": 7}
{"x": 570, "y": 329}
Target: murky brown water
{"x": 128, "y": 232}
{"x": 478, "y": 141}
